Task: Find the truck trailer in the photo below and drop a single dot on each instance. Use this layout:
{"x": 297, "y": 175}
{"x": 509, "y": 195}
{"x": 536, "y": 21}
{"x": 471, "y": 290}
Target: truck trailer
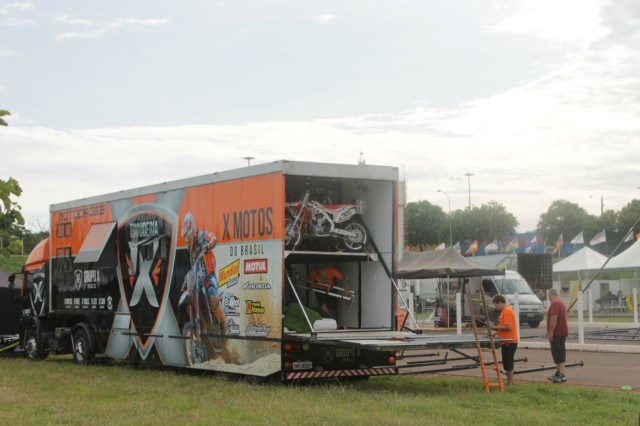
{"x": 207, "y": 273}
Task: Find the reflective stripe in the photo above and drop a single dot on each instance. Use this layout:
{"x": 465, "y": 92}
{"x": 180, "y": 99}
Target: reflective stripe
{"x": 342, "y": 373}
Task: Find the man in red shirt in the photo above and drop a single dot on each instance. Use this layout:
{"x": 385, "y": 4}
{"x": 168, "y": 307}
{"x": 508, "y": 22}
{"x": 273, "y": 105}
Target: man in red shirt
{"x": 508, "y": 335}
{"x": 557, "y": 331}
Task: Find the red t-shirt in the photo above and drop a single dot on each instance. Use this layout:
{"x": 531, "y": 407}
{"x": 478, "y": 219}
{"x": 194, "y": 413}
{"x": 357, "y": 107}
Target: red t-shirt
{"x": 558, "y": 308}
{"x": 508, "y": 317}
{"x": 325, "y": 275}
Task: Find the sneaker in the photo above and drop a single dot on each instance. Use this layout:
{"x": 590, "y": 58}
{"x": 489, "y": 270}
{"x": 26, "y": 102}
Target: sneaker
{"x": 560, "y": 378}
{"x": 553, "y": 377}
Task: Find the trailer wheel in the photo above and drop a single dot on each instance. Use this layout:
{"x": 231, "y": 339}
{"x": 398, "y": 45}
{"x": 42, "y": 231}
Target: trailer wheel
{"x": 33, "y": 345}
{"x": 534, "y": 324}
{"x": 82, "y": 347}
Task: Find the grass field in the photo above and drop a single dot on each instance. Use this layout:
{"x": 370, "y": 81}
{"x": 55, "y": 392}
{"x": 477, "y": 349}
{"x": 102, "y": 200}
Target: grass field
{"x": 56, "y": 391}
{"x": 12, "y": 263}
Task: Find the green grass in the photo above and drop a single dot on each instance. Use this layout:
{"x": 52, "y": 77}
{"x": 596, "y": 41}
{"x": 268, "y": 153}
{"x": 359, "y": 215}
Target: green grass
{"x": 57, "y": 392}
{"x": 12, "y": 263}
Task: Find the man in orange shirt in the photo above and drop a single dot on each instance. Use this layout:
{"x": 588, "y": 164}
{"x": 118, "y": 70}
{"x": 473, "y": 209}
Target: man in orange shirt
{"x": 325, "y": 278}
{"x": 508, "y": 335}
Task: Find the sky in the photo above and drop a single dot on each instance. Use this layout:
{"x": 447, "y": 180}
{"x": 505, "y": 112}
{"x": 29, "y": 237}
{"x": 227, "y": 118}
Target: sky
{"x": 538, "y": 99}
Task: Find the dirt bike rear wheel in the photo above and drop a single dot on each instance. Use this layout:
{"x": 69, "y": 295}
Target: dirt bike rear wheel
{"x": 194, "y": 348}
{"x": 359, "y": 238}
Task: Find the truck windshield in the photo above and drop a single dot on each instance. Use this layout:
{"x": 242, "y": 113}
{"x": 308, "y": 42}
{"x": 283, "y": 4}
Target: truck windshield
{"x": 511, "y": 286}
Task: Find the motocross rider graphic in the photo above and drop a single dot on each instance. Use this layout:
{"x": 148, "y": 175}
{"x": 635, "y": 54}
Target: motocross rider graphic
{"x": 200, "y": 245}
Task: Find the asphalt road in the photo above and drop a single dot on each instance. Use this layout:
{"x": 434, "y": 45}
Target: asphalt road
{"x": 601, "y": 369}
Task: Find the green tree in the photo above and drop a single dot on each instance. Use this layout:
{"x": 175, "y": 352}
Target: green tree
{"x": 9, "y": 212}
{"x": 3, "y": 112}
{"x": 628, "y": 216}
{"x": 484, "y": 223}
{"x": 425, "y": 223}
{"x": 564, "y": 217}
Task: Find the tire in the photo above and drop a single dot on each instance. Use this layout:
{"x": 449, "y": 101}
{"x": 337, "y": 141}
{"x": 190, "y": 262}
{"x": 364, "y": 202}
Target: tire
{"x": 33, "y": 345}
{"x": 194, "y": 349}
{"x": 359, "y": 239}
{"x": 534, "y": 324}
{"x": 292, "y": 236}
{"x": 83, "y": 349}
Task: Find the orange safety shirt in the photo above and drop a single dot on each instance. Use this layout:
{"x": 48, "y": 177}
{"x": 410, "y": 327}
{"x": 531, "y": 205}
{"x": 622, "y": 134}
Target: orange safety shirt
{"x": 507, "y": 316}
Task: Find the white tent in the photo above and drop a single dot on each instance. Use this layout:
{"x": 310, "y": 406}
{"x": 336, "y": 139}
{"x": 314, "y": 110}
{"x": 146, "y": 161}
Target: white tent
{"x": 585, "y": 259}
{"x": 628, "y": 259}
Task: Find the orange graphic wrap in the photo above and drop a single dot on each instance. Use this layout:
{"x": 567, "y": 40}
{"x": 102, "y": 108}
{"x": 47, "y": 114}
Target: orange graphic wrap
{"x": 248, "y": 209}
{"x": 70, "y": 227}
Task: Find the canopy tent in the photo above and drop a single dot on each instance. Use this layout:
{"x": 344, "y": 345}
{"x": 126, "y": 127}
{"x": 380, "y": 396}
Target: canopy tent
{"x": 628, "y": 259}
{"x": 441, "y": 264}
{"x": 585, "y": 259}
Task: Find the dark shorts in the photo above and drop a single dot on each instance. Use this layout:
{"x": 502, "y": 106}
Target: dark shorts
{"x": 558, "y": 351}
{"x": 508, "y": 355}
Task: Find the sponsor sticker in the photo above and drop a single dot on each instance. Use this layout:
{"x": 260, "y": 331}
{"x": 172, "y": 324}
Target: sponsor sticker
{"x": 255, "y": 266}
{"x": 259, "y": 330}
{"x": 230, "y": 274}
{"x": 256, "y": 286}
{"x": 254, "y": 307}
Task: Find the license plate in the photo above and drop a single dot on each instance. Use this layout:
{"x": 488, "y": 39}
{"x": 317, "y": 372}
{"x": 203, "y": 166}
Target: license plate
{"x": 531, "y": 315}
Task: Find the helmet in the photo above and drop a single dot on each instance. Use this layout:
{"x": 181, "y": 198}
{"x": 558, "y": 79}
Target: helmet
{"x": 188, "y": 227}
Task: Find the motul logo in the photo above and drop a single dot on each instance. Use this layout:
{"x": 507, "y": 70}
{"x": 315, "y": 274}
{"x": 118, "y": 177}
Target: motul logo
{"x": 255, "y": 266}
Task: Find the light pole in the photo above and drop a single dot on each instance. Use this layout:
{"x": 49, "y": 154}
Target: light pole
{"x": 248, "y": 158}
{"x": 468, "y": 175}
{"x": 601, "y": 203}
{"x": 450, "y": 232}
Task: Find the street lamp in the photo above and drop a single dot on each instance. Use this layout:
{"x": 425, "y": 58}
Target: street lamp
{"x": 248, "y": 158}
{"x": 468, "y": 175}
{"x": 601, "y": 203}
{"x": 450, "y": 232}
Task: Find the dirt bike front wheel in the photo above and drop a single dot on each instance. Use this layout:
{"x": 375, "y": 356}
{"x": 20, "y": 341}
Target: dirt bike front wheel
{"x": 358, "y": 238}
{"x": 292, "y": 236}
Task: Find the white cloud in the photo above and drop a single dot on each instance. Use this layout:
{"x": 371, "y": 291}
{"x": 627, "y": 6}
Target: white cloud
{"x": 6, "y": 52}
{"x": 15, "y": 22}
{"x": 2, "y": 87}
{"x": 325, "y": 19}
{"x": 567, "y": 20}
{"x": 97, "y": 30}
{"x": 21, "y": 6}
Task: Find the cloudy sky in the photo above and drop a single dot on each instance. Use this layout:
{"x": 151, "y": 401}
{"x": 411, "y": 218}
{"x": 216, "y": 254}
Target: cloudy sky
{"x": 539, "y": 99}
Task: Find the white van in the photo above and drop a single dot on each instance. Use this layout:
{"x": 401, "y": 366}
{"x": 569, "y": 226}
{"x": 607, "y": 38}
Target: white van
{"x": 531, "y": 310}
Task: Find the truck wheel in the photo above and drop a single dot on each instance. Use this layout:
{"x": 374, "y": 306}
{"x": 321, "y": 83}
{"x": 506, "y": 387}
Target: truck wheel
{"x": 33, "y": 345}
{"x": 82, "y": 347}
{"x": 534, "y": 324}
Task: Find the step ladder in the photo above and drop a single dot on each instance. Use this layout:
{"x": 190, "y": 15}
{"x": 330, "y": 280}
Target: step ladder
{"x": 495, "y": 365}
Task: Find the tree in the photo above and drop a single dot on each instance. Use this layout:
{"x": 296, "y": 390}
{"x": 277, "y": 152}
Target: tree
{"x": 484, "y": 223}
{"x": 3, "y": 112}
{"x": 628, "y": 216}
{"x": 9, "y": 211}
{"x": 425, "y": 223}
{"x": 564, "y": 217}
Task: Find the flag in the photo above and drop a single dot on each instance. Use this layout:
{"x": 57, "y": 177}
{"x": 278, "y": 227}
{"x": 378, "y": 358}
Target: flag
{"x": 513, "y": 244}
{"x": 473, "y": 247}
{"x": 456, "y": 246}
{"x": 534, "y": 241}
{"x": 559, "y": 244}
{"x": 629, "y": 237}
{"x": 600, "y": 237}
{"x": 578, "y": 239}
{"x": 441, "y": 247}
{"x": 493, "y": 246}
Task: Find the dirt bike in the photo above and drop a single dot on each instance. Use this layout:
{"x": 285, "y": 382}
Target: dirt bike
{"x": 205, "y": 331}
{"x": 339, "y": 223}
